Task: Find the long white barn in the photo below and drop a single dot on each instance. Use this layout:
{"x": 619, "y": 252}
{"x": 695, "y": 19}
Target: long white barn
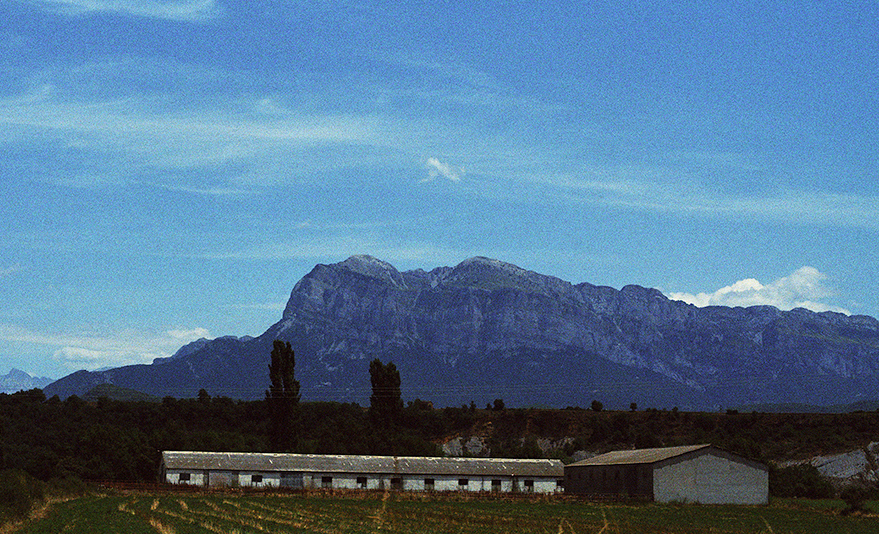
{"x": 303, "y": 471}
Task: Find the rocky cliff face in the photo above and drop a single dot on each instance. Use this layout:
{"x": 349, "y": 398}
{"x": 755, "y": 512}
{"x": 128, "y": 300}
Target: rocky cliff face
{"x": 486, "y": 329}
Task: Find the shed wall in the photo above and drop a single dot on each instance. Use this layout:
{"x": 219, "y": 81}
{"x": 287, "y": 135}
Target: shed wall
{"x": 710, "y": 479}
{"x": 625, "y": 479}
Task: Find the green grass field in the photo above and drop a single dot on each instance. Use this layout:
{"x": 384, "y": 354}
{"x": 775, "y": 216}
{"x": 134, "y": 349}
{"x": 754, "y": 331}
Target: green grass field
{"x": 188, "y": 513}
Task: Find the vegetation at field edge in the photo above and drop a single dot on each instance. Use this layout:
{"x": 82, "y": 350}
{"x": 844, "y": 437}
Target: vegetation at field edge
{"x": 121, "y": 440}
{"x": 177, "y": 513}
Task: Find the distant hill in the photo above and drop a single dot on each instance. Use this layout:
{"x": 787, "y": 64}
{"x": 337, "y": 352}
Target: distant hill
{"x": 117, "y": 393}
{"x": 486, "y": 329}
{"x": 860, "y": 406}
{"x": 18, "y": 380}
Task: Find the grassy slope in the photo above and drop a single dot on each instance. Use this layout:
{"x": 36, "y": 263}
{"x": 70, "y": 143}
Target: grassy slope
{"x": 408, "y": 513}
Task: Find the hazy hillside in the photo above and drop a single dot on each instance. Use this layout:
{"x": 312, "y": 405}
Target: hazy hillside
{"x": 17, "y": 380}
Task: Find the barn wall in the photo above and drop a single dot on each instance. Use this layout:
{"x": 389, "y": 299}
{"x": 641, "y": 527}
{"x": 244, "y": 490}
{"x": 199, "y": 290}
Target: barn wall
{"x": 547, "y": 485}
{"x": 196, "y": 478}
{"x": 333, "y": 480}
{"x": 625, "y": 479}
{"x": 711, "y": 479}
{"x": 408, "y": 482}
{"x": 269, "y": 479}
{"x": 440, "y": 482}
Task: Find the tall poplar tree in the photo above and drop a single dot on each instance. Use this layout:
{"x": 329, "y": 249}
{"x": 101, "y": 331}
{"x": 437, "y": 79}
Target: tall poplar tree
{"x": 385, "y": 403}
{"x": 282, "y": 397}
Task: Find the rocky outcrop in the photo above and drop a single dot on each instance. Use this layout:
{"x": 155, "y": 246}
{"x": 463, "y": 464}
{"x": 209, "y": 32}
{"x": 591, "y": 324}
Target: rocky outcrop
{"x": 486, "y": 329}
{"x": 854, "y": 466}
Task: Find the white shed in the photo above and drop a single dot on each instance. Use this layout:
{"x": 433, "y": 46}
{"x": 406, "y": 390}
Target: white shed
{"x": 694, "y": 473}
{"x": 217, "y": 469}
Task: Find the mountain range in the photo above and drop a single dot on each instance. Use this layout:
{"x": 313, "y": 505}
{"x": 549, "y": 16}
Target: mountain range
{"x": 486, "y": 330}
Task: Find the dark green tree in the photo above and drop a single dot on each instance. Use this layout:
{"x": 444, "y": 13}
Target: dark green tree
{"x": 597, "y": 406}
{"x": 385, "y": 403}
{"x": 282, "y": 397}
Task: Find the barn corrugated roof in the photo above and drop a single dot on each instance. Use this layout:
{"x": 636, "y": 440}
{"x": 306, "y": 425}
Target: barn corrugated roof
{"x": 320, "y": 463}
{"x": 638, "y": 456}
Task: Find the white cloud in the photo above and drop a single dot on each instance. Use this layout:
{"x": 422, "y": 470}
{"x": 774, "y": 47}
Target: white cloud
{"x": 95, "y": 351}
{"x": 181, "y": 10}
{"x": 437, "y": 168}
{"x": 804, "y": 288}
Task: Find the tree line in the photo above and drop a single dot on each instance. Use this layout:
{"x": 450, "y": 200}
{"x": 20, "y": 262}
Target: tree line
{"x": 121, "y": 440}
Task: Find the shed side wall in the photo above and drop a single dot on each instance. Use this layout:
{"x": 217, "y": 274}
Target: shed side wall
{"x": 711, "y": 479}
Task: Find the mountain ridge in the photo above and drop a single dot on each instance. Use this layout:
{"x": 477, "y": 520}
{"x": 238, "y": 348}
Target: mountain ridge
{"x": 488, "y": 329}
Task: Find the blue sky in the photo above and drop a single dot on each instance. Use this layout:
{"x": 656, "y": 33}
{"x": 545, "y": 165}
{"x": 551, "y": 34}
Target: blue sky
{"x": 170, "y": 169}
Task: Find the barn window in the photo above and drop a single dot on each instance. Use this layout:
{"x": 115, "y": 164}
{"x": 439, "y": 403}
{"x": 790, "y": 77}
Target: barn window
{"x": 529, "y": 486}
{"x": 361, "y": 482}
{"x": 255, "y": 479}
{"x": 429, "y": 484}
{"x": 326, "y": 482}
{"x": 184, "y": 477}
{"x": 397, "y": 483}
{"x": 495, "y": 484}
{"x": 462, "y": 482}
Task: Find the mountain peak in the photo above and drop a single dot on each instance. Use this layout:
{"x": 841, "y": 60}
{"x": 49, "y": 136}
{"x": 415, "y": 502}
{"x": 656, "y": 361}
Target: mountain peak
{"x": 491, "y": 274}
{"x": 365, "y": 260}
{"x": 492, "y": 263}
{"x": 374, "y": 268}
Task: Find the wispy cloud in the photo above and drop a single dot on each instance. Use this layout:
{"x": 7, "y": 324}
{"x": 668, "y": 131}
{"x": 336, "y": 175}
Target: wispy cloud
{"x": 12, "y": 269}
{"x": 656, "y": 189}
{"x": 187, "y": 335}
{"x": 94, "y": 351}
{"x": 209, "y": 191}
{"x": 804, "y": 288}
{"x": 263, "y": 141}
{"x": 437, "y": 168}
{"x": 130, "y": 139}
{"x": 321, "y": 246}
{"x": 458, "y": 84}
{"x": 262, "y": 306}
{"x": 180, "y": 10}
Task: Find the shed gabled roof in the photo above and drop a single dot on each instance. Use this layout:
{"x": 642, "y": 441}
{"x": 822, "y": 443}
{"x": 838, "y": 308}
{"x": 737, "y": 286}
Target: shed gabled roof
{"x": 639, "y": 456}
{"x": 320, "y": 463}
